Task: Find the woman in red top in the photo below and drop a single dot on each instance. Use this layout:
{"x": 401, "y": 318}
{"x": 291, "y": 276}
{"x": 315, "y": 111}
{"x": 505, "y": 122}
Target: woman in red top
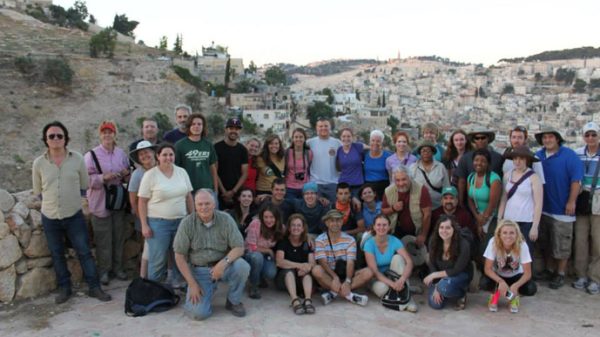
{"x": 253, "y": 146}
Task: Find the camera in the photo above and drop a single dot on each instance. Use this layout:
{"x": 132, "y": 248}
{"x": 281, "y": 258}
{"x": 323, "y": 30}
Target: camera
{"x": 510, "y": 295}
{"x": 299, "y": 176}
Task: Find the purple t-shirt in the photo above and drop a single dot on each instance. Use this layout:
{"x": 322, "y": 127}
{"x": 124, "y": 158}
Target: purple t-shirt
{"x": 350, "y": 164}
{"x": 393, "y": 161}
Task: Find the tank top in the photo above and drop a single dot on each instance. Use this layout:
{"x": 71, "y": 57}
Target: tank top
{"x": 520, "y": 206}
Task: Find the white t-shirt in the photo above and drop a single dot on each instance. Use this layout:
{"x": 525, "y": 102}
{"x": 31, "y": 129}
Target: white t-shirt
{"x": 511, "y": 265}
{"x": 322, "y": 169}
{"x": 167, "y": 195}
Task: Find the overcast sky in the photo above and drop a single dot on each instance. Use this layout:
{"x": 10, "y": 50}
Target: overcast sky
{"x": 300, "y": 32}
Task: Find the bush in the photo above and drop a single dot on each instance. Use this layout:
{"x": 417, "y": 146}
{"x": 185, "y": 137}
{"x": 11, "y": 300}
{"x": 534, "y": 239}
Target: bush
{"x": 185, "y": 75}
{"x": 25, "y": 65}
{"x": 103, "y": 43}
{"x": 194, "y": 100}
{"x": 58, "y": 72}
{"x": 36, "y": 12}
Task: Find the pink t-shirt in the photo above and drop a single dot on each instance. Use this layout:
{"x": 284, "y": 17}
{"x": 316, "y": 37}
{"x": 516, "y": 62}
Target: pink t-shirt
{"x": 300, "y": 165}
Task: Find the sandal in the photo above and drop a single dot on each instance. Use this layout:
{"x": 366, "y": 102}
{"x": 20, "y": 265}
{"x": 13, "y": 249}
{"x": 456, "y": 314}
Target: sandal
{"x": 297, "y": 306}
{"x": 309, "y": 308}
{"x": 461, "y": 303}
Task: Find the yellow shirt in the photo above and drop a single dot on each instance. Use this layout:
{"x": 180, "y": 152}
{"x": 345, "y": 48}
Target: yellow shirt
{"x": 60, "y": 186}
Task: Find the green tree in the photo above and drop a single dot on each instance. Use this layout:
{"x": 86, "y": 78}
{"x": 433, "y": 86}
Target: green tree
{"x": 357, "y": 93}
{"x": 227, "y": 72}
{"x": 250, "y": 128}
{"x": 537, "y": 77}
{"x": 243, "y": 87}
{"x": 162, "y": 44}
{"x": 252, "y": 68}
{"x": 482, "y": 93}
{"x": 178, "y": 45}
{"x": 379, "y": 101}
{"x": 124, "y": 26}
{"x": 383, "y": 100}
{"x": 508, "y": 89}
{"x": 103, "y": 43}
{"x": 215, "y": 125}
{"x": 92, "y": 19}
{"x": 58, "y": 72}
{"x": 565, "y": 75}
{"x": 194, "y": 100}
{"x": 275, "y": 75}
{"x": 318, "y": 109}
{"x": 595, "y": 83}
{"x": 579, "y": 86}
{"x": 393, "y": 123}
{"x": 329, "y": 94}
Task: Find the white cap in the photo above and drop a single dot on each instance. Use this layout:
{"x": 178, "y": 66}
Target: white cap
{"x": 591, "y": 126}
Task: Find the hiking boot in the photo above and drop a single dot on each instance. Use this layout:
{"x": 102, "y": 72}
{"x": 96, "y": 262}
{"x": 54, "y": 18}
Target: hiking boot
{"x": 557, "y": 282}
{"x": 236, "y": 309}
{"x": 121, "y": 275}
{"x": 99, "y": 294}
{"x": 514, "y": 305}
{"x": 253, "y": 293}
{"x": 593, "y": 288}
{"x": 104, "y": 279}
{"x": 359, "y": 299}
{"x": 63, "y": 295}
{"x": 326, "y": 297}
{"x": 493, "y": 301}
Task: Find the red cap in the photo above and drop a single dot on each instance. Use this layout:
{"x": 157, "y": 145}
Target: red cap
{"x": 108, "y": 125}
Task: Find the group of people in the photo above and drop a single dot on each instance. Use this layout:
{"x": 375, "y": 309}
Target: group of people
{"x": 342, "y": 213}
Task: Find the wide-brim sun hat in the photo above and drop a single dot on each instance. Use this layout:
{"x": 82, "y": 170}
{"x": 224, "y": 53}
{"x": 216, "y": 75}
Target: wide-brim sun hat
{"x": 522, "y": 151}
{"x": 332, "y": 214}
{"x": 426, "y": 143}
{"x": 418, "y": 254}
{"x": 143, "y": 145}
{"x": 480, "y": 130}
{"x": 539, "y": 135}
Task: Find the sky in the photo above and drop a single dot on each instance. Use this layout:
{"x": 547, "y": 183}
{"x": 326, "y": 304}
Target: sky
{"x": 301, "y": 32}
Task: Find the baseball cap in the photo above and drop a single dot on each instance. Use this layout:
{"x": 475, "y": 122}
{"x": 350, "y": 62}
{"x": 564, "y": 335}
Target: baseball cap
{"x": 450, "y": 190}
{"x": 591, "y": 126}
{"x": 233, "y": 123}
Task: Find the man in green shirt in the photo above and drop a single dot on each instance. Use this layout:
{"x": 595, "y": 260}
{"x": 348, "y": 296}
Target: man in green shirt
{"x": 197, "y": 155}
{"x": 208, "y": 247}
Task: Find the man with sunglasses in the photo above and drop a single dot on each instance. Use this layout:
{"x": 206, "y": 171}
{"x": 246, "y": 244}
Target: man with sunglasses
{"x": 60, "y": 177}
{"x": 481, "y": 139}
{"x": 518, "y": 137}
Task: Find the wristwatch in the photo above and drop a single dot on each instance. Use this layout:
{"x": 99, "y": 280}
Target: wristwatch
{"x": 227, "y": 260}
{"x": 348, "y": 280}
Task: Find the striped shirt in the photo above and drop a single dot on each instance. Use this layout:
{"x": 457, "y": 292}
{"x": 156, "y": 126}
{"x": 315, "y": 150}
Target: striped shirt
{"x": 589, "y": 167}
{"x": 344, "y": 248}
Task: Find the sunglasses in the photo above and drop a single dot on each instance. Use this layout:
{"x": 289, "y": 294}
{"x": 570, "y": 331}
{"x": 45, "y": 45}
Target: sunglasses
{"x": 520, "y": 128}
{"x": 480, "y": 137}
{"x": 58, "y": 136}
{"x": 593, "y": 135}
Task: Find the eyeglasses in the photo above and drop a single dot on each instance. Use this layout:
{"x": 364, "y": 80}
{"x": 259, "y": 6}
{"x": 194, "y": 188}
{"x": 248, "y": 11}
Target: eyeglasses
{"x": 480, "y": 137}
{"x": 593, "y": 135}
{"x": 58, "y": 136}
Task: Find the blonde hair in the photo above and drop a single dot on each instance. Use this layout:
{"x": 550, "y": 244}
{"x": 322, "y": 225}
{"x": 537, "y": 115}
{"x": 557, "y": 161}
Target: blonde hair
{"x": 515, "y": 250}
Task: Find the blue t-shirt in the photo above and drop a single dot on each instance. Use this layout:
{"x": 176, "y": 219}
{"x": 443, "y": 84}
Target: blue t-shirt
{"x": 560, "y": 170}
{"x": 351, "y": 164}
{"x": 383, "y": 260}
{"x": 369, "y": 216}
{"x": 375, "y": 167}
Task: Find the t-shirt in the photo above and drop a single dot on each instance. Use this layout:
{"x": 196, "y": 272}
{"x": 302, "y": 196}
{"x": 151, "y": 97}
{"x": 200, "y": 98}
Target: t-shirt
{"x": 589, "y": 167}
{"x": 392, "y": 162}
{"x": 167, "y": 196}
{"x": 481, "y": 195}
{"x": 344, "y": 248}
{"x": 297, "y": 165}
{"x": 383, "y": 259}
{"x": 405, "y": 225}
{"x": 465, "y": 165}
{"x": 231, "y": 159}
{"x": 196, "y": 158}
{"x": 375, "y": 167}
{"x": 368, "y": 215}
{"x": 136, "y": 179}
{"x": 322, "y": 169}
{"x": 508, "y": 266}
{"x": 174, "y": 136}
{"x": 312, "y": 215}
{"x": 292, "y": 253}
{"x": 351, "y": 164}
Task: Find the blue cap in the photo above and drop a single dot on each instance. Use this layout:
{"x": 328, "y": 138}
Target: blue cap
{"x": 310, "y": 187}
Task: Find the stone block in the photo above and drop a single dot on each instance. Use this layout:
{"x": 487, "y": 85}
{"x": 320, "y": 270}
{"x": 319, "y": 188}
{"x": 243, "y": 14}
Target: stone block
{"x": 23, "y": 233}
{"x": 21, "y": 266}
{"x": 2, "y": 216}
{"x": 14, "y": 221}
{"x": 41, "y": 262}
{"x": 36, "y": 282}
{"x": 7, "y": 201}
{"x": 8, "y": 280}
{"x": 38, "y": 246}
{"x": 21, "y": 209}
{"x": 4, "y": 230}
{"x": 10, "y": 252}
{"x": 35, "y": 219}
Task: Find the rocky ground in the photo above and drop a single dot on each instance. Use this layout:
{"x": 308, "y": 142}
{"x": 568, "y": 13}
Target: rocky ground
{"x": 566, "y": 312}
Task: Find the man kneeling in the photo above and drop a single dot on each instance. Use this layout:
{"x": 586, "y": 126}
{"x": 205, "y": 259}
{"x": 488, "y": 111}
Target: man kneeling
{"x": 207, "y": 248}
{"x": 335, "y": 252}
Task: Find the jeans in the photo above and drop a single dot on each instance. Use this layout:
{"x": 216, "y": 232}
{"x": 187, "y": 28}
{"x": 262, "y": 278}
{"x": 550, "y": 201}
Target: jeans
{"x": 160, "y": 245}
{"x": 260, "y": 267}
{"x": 293, "y": 193}
{"x": 449, "y": 287}
{"x": 75, "y": 229}
{"x": 235, "y": 275}
{"x": 328, "y": 191}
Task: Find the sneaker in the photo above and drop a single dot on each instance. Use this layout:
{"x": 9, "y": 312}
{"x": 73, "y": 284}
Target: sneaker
{"x": 514, "y": 305}
{"x": 557, "y": 282}
{"x": 236, "y": 309}
{"x": 63, "y": 295}
{"x": 461, "y": 303}
{"x": 493, "y": 301}
{"x": 253, "y": 293}
{"x": 580, "y": 283}
{"x": 326, "y": 297}
{"x": 104, "y": 279}
{"x": 359, "y": 299}
{"x": 411, "y": 306}
{"x": 99, "y": 294}
{"x": 121, "y": 275}
{"x": 593, "y": 288}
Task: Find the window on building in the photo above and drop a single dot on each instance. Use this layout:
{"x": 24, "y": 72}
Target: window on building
{"x": 266, "y": 116}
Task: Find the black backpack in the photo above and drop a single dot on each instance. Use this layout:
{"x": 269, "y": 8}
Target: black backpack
{"x": 144, "y": 296}
{"x": 393, "y": 299}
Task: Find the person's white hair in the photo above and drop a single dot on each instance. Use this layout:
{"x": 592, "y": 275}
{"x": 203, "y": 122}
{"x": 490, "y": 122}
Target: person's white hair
{"x": 206, "y": 191}
{"x": 377, "y": 133}
{"x": 400, "y": 169}
{"x": 182, "y": 106}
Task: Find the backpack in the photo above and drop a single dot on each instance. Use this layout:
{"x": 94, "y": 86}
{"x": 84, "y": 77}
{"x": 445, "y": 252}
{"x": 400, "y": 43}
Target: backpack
{"x": 144, "y": 296}
{"x": 393, "y": 299}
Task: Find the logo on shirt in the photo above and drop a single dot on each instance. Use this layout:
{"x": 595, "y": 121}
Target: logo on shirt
{"x": 331, "y": 151}
{"x": 197, "y": 156}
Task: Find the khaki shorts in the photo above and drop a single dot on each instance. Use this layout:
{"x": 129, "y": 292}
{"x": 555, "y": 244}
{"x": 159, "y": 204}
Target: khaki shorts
{"x": 558, "y": 236}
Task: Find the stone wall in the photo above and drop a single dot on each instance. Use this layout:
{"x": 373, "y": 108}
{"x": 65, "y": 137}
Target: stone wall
{"x": 25, "y": 263}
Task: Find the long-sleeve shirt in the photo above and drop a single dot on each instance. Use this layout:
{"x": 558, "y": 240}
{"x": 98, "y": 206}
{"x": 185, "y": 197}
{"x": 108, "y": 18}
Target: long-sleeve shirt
{"x": 462, "y": 263}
